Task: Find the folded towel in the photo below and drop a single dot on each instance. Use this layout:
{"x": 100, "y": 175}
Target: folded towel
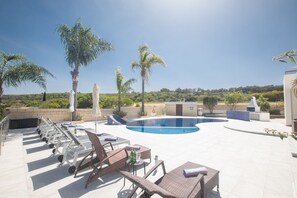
{"x": 135, "y": 148}
{"x": 80, "y": 128}
{"x": 195, "y": 171}
{"x": 90, "y": 130}
{"x": 102, "y": 134}
{"x": 111, "y": 139}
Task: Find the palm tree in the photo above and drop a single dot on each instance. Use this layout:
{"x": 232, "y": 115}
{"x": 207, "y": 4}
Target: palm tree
{"x": 147, "y": 60}
{"x": 81, "y": 47}
{"x": 286, "y": 55}
{"x": 122, "y": 86}
{"x": 15, "y": 69}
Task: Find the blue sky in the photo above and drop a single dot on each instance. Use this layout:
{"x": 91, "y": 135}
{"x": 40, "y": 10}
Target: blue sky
{"x": 205, "y": 43}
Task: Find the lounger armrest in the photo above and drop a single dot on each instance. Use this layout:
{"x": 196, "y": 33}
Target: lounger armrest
{"x": 146, "y": 185}
{"x": 201, "y": 181}
{"x": 110, "y": 144}
{"x": 160, "y": 162}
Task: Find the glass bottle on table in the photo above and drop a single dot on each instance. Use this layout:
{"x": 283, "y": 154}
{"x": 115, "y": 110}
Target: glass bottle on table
{"x": 134, "y": 156}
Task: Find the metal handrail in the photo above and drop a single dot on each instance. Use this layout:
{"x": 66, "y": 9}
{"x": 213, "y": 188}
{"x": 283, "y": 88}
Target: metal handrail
{"x": 4, "y": 128}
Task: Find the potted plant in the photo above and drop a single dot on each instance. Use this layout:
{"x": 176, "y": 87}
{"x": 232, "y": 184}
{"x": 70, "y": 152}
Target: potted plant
{"x": 291, "y": 137}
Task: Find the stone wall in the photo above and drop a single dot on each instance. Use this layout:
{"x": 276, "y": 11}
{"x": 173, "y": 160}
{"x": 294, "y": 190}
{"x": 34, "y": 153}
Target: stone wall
{"x": 58, "y": 115}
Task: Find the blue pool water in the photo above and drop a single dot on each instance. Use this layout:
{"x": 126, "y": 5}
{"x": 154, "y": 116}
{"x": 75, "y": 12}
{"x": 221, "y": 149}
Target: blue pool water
{"x": 169, "y": 125}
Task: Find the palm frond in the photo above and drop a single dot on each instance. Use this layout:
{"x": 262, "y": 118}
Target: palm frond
{"x": 143, "y": 48}
{"x": 81, "y": 45}
{"x": 156, "y": 60}
{"x": 135, "y": 65}
{"x": 144, "y": 56}
{"x": 126, "y": 87}
{"x": 286, "y": 55}
{"x": 292, "y": 59}
{"x": 14, "y": 57}
{"x": 26, "y": 71}
{"x": 10, "y": 58}
{"x": 119, "y": 78}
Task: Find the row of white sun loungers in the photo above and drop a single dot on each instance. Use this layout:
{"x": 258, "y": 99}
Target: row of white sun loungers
{"x": 69, "y": 142}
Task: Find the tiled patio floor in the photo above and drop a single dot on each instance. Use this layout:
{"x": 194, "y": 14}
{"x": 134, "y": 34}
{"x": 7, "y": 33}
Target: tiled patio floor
{"x": 251, "y": 165}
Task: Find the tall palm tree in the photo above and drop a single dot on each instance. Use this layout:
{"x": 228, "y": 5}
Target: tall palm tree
{"x": 81, "y": 47}
{"x": 122, "y": 86}
{"x": 147, "y": 60}
{"x": 15, "y": 69}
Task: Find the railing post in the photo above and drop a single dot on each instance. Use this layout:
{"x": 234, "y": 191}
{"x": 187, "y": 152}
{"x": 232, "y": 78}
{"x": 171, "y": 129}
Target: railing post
{"x": 1, "y": 139}
{"x": 4, "y": 127}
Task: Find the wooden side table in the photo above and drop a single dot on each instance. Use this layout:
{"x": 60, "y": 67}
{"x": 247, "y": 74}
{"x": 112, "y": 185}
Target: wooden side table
{"x": 133, "y": 167}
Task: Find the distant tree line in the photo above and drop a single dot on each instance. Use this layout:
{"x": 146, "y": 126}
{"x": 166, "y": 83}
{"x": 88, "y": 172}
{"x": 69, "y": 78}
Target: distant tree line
{"x": 273, "y": 93}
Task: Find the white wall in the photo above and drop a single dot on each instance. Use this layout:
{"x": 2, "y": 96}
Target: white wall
{"x": 290, "y": 101}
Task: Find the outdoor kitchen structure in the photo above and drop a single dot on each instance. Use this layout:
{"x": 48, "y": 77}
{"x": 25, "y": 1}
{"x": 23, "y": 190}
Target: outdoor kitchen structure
{"x": 255, "y": 113}
{"x": 252, "y": 113}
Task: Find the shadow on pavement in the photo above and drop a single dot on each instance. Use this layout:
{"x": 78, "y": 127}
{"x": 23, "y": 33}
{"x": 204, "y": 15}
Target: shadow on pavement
{"x": 77, "y": 188}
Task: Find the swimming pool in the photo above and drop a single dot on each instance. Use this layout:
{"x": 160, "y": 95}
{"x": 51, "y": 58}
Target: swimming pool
{"x": 169, "y": 125}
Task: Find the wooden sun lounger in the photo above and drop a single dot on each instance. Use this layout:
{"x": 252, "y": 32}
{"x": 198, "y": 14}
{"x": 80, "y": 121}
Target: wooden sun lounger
{"x": 174, "y": 183}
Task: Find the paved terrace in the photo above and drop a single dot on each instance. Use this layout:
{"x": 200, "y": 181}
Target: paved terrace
{"x": 251, "y": 165}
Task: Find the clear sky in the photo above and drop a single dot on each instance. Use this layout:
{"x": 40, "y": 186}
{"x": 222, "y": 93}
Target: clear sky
{"x": 205, "y": 43}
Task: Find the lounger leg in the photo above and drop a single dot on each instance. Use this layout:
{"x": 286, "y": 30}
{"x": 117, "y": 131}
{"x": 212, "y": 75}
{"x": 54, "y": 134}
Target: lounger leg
{"x": 90, "y": 177}
{"x": 87, "y": 164}
{"x": 218, "y": 186}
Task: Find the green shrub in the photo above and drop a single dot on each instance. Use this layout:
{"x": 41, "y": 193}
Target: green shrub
{"x": 272, "y": 96}
{"x": 78, "y": 117}
{"x": 126, "y": 102}
{"x": 59, "y": 103}
{"x": 210, "y": 102}
{"x": 109, "y": 102}
{"x": 84, "y": 101}
{"x": 263, "y": 103}
{"x": 142, "y": 114}
{"x": 2, "y": 111}
{"x": 161, "y": 113}
{"x": 191, "y": 98}
{"x": 233, "y": 98}
{"x": 33, "y": 103}
{"x": 275, "y": 111}
{"x": 53, "y": 105}
{"x": 137, "y": 105}
{"x": 120, "y": 113}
